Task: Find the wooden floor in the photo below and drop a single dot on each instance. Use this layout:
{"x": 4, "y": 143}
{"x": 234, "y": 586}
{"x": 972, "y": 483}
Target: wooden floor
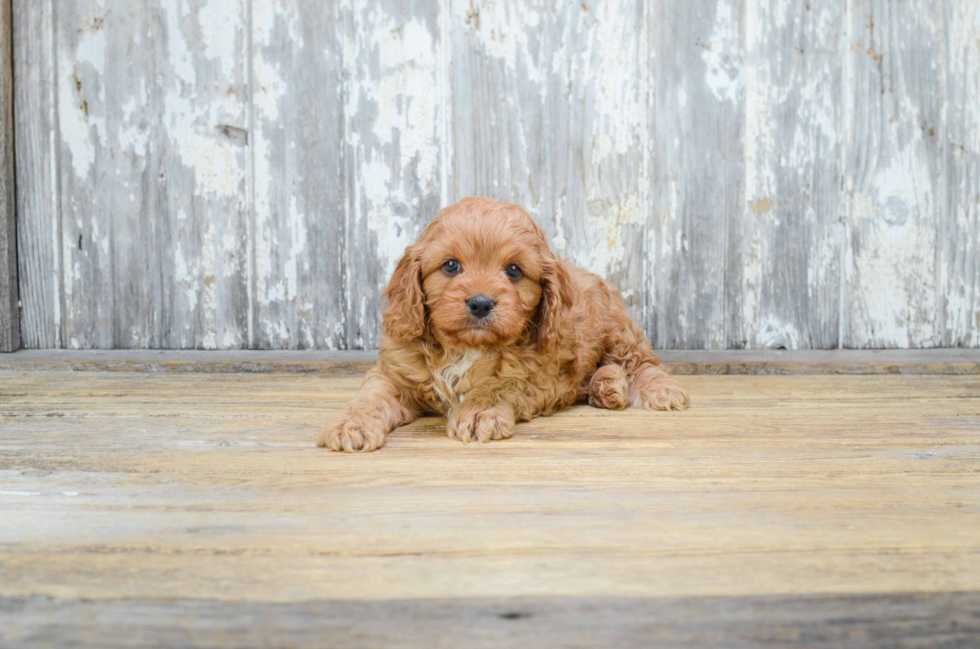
{"x": 146, "y": 509}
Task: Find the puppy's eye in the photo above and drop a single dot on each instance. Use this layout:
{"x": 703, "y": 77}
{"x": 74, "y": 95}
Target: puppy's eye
{"x": 513, "y": 271}
{"x": 452, "y": 267}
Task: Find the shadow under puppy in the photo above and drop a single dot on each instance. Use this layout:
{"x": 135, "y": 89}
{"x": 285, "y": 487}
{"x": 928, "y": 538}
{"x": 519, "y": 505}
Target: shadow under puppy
{"x": 486, "y": 325}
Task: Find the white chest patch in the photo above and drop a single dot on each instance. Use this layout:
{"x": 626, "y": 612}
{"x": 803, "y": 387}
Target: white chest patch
{"x": 448, "y": 377}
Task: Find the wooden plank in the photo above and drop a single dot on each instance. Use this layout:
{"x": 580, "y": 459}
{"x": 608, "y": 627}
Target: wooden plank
{"x": 827, "y": 621}
{"x": 820, "y": 621}
{"x": 549, "y": 112}
{"x": 931, "y": 361}
{"x": 394, "y": 112}
{"x": 790, "y": 230}
{"x": 141, "y": 509}
{"x": 9, "y": 309}
{"x": 697, "y": 171}
{"x": 960, "y": 228}
{"x": 38, "y": 221}
{"x": 153, "y": 172}
{"x": 893, "y": 173}
{"x": 299, "y": 225}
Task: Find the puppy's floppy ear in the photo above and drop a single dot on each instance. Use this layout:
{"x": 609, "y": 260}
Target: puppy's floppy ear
{"x": 404, "y": 319}
{"x": 556, "y": 299}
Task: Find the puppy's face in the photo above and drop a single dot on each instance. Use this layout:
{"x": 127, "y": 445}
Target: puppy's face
{"x": 481, "y": 279}
{"x": 480, "y": 275}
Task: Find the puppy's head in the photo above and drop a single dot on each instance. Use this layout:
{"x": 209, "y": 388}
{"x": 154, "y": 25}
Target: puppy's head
{"x": 481, "y": 275}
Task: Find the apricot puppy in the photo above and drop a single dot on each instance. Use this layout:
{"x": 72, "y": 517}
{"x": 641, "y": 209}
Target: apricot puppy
{"x": 485, "y": 325}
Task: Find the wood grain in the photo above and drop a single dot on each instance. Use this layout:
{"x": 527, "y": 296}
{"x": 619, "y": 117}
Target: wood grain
{"x": 894, "y": 173}
{"x": 883, "y": 621}
{"x": 298, "y": 237}
{"x": 153, "y": 173}
{"x": 790, "y": 240}
{"x": 126, "y": 496}
{"x": 960, "y": 228}
{"x": 9, "y": 310}
{"x": 38, "y": 211}
{"x": 696, "y": 170}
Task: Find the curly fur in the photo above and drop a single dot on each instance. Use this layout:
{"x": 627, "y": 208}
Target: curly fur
{"x": 558, "y": 334}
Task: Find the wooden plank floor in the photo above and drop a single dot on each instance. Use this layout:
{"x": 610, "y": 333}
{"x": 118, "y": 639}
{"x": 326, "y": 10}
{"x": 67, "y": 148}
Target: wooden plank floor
{"x": 189, "y": 509}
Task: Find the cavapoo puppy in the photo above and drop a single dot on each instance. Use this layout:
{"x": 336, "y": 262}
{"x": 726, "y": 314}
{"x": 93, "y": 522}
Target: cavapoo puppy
{"x": 486, "y": 325}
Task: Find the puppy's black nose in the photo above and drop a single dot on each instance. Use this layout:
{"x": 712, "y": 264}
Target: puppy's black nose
{"x": 480, "y": 306}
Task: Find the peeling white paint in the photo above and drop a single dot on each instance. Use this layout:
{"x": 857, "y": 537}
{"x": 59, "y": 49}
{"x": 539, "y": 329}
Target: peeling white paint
{"x": 91, "y": 49}
{"x": 406, "y": 105}
{"x": 503, "y": 33}
{"x": 270, "y": 89}
{"x": 608, "y": 252}
{"x": 758, "y": 180}
{"x": 217, "y": 163}
{"x": 185, "y": 277}
{"x": 297, "y": 250}
{"x": 960, "y": 269}
{"x": 771, "y": 333}
{"x": 217, "y": 168}
{"x": 896, "y": 267}
{"x": 618, "y": 106}
{"x": 231, "y": 340}
{"x": 394, "y": 232}
{"x": 722, "y": 55}
{"x": 559, "y": 243}
{"x": 209, "y": 301}
{"x": 760, "y": 152}
{"x": 220, "y": 36}
{"x": 179, "y": 55}
{"x": 896, "y": 238}
{"x": 270, "y": 14}
{"x": 396, "y": 97}
{"x": 81, "y": 72}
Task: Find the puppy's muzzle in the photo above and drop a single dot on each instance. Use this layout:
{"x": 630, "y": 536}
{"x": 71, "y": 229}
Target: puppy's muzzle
{"x": 480, "y": 306}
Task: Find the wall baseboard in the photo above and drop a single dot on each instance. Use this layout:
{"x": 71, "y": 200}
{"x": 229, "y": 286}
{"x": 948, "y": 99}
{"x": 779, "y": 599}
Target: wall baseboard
{"x": 904, "y": 361}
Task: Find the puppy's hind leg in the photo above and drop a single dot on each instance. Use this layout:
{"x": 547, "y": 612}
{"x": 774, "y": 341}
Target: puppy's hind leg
{"x": 651, "y": 388}
{"x": 608, "y": 388}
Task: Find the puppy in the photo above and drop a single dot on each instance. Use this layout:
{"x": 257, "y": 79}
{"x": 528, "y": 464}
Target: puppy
{"x": 486, "y": 325}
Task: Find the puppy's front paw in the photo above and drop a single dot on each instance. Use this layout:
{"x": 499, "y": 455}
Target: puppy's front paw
{"x": 662, "y": 393}
{"x": 472, "y": 424}
{"x": 352, "y": 433}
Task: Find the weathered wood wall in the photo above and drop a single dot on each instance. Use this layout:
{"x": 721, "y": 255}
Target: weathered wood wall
{"x": 750, "y": 173}
{"x": 9, "y": 316}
